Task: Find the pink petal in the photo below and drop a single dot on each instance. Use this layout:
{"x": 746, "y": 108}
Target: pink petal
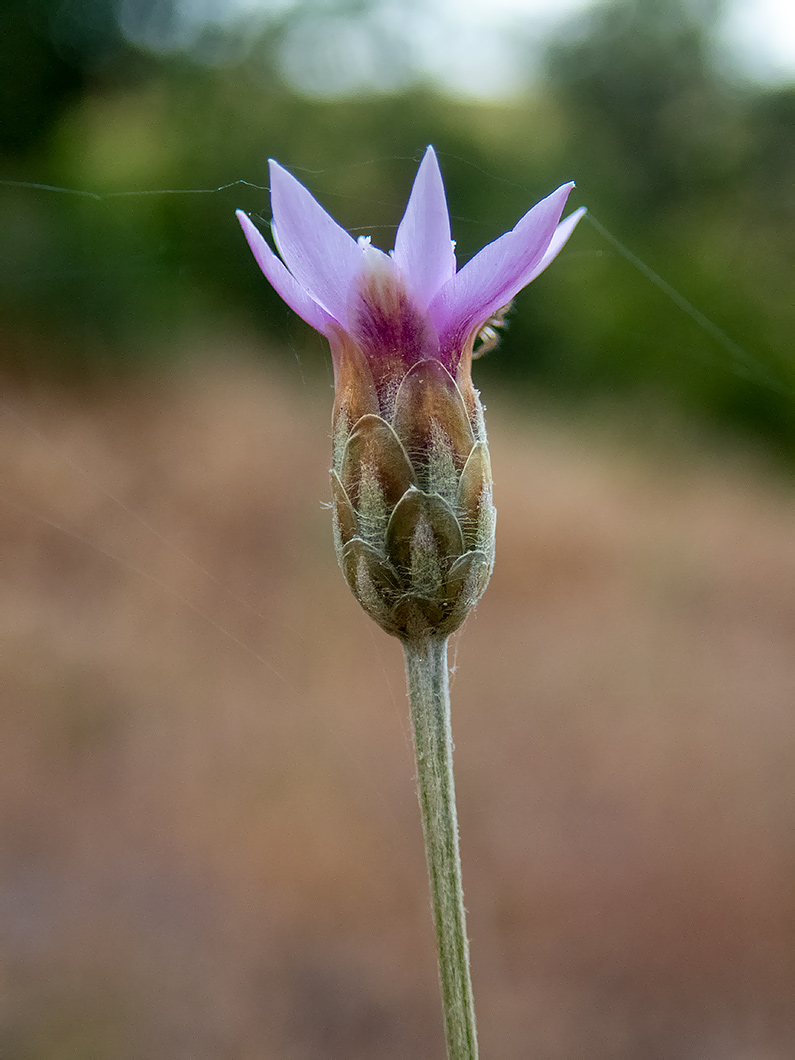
{"x": 423, "y": 246}
{"x": 282, "y": 282}
{"x": 558, "y": 242}
{"x": 498, "y": 272}
{"x": 385, "y": 320}
{"x": 320, "y": 254}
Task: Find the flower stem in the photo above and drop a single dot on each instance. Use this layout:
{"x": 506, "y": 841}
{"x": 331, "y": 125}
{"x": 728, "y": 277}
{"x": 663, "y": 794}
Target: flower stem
{"x": 429, "y": 697}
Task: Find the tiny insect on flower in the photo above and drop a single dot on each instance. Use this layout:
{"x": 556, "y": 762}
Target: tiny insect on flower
{"x": 489, "y": 335}
{"x": 411, "y": 479}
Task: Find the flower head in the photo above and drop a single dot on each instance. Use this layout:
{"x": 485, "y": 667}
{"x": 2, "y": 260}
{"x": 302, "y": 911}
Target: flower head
{"x": 411, "y": 483}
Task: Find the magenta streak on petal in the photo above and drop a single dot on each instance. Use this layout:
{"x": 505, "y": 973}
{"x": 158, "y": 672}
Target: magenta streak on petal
{"x": 498, "y": 272}
{"x": 387, "y": 321}
{"x": 282, "y": 282}
{"x": 423, "y": 246}
{"x": 320, "y": 254}
{"x": 558, "y": 242}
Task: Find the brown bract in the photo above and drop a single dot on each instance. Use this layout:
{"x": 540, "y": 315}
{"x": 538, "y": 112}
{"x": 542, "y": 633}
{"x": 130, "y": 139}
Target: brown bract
{"x": 411, "y": 481}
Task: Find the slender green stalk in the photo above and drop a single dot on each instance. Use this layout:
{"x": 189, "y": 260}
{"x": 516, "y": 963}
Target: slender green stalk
{"x": 429, "y": 696}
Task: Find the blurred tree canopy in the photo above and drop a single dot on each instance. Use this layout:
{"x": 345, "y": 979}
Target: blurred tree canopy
{"x": 691, "y": 169}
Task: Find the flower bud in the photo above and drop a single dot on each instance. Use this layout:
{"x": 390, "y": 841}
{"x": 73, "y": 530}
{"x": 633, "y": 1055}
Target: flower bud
{"x": 410, "y": 479}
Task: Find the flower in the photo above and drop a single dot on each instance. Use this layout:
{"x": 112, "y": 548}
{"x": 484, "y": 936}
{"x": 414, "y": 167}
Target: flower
{"x": 411, "y": 482}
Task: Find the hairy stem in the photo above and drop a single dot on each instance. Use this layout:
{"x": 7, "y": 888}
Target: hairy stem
{"x": 429, "y": 697}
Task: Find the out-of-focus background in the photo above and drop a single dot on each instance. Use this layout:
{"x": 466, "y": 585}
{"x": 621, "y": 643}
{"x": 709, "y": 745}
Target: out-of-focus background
{"x": 209, "y": 840}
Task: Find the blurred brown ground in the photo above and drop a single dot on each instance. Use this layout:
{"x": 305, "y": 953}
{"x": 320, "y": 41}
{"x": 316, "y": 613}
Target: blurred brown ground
{"x": 209, "y": 841}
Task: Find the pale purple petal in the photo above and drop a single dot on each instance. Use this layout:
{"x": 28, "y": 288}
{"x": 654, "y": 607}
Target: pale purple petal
{"x": 282, "y": 282}
{"x": 320, "y": 254}
{"x": 558, "y": 242}
{"x": 498, "y": 272}
{"x": 423, "y": 245}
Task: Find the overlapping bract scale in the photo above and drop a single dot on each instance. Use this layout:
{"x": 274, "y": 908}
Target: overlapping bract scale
{"x": 413, "y": 516}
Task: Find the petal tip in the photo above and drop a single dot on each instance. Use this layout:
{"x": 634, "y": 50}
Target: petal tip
{"x": 565, "y": 189}
{"x": 277, "y": 172}
{"x": 430, "y": 159}
{"x": 274, "y": 169}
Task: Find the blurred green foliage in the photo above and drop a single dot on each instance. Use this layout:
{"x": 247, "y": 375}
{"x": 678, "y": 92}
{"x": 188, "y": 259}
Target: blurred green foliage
{"x": 691, "y": 170}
